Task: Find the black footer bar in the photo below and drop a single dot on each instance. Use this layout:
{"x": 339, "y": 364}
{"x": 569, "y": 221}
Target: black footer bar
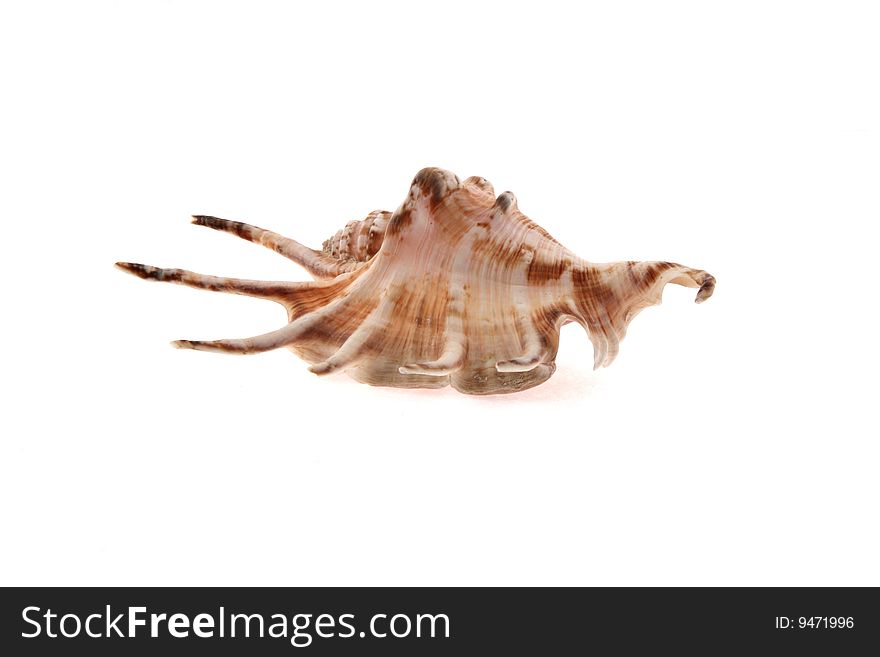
{"x": 433, "y": 621}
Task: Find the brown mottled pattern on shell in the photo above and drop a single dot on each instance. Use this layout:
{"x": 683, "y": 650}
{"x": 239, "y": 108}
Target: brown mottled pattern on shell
{"x": 325, "y": 338}
{"x": 415, "y": 335}
{"x": 306, "y": 300}
{"x": 456, "y": 287}
{"x": 359, "y": 240}
{"x": 334, "y": 330}
{"x": 425, "y": 315}
{"x": 436, "y": 184}
{"x": 608, "y": 296}
{"x": 592, "y": 293}
{"x": 542, "y": 270}
{"x": 400, "y": 221}
{"x": 548, "y": 321}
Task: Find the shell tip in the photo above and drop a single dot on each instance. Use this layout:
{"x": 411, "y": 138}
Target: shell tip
{"x": 706, "y": 290}
{"x": 321, "y": 368}
{"x": 137, "y": 269}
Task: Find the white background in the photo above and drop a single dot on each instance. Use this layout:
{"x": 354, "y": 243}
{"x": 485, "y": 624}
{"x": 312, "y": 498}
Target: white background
{"x": 730, "y": 443}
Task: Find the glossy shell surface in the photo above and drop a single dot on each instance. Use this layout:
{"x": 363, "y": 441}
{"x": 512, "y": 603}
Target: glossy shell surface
{"x": 456, "y": 287}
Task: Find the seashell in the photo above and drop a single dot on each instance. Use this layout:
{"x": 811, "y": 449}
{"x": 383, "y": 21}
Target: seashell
{"x": 456, "y": 287}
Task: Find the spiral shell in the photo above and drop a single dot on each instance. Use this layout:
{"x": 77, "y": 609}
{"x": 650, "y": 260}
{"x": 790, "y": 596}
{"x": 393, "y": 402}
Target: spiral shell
{"x": 359, "y": 240}
{"x": 456, "y": 287}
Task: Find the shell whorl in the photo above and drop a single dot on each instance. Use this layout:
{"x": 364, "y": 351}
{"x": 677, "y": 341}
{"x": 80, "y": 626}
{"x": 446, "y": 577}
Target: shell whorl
{"x": 359, "y": 240}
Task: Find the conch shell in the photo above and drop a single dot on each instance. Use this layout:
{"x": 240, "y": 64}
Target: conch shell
{"x": 455, "y": 287}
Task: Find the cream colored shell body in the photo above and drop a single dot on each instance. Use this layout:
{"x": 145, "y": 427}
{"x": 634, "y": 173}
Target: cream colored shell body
{"x": 456, "y": 287}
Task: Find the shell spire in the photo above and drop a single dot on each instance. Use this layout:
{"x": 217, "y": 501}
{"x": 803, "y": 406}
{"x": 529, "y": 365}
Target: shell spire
{"x": 359, "y": 240}
{"x": 455, "y": 287}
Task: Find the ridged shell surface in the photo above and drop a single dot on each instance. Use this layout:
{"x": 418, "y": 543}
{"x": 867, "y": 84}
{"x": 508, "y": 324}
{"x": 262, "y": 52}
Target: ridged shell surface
{"x": 456, "y": 287}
